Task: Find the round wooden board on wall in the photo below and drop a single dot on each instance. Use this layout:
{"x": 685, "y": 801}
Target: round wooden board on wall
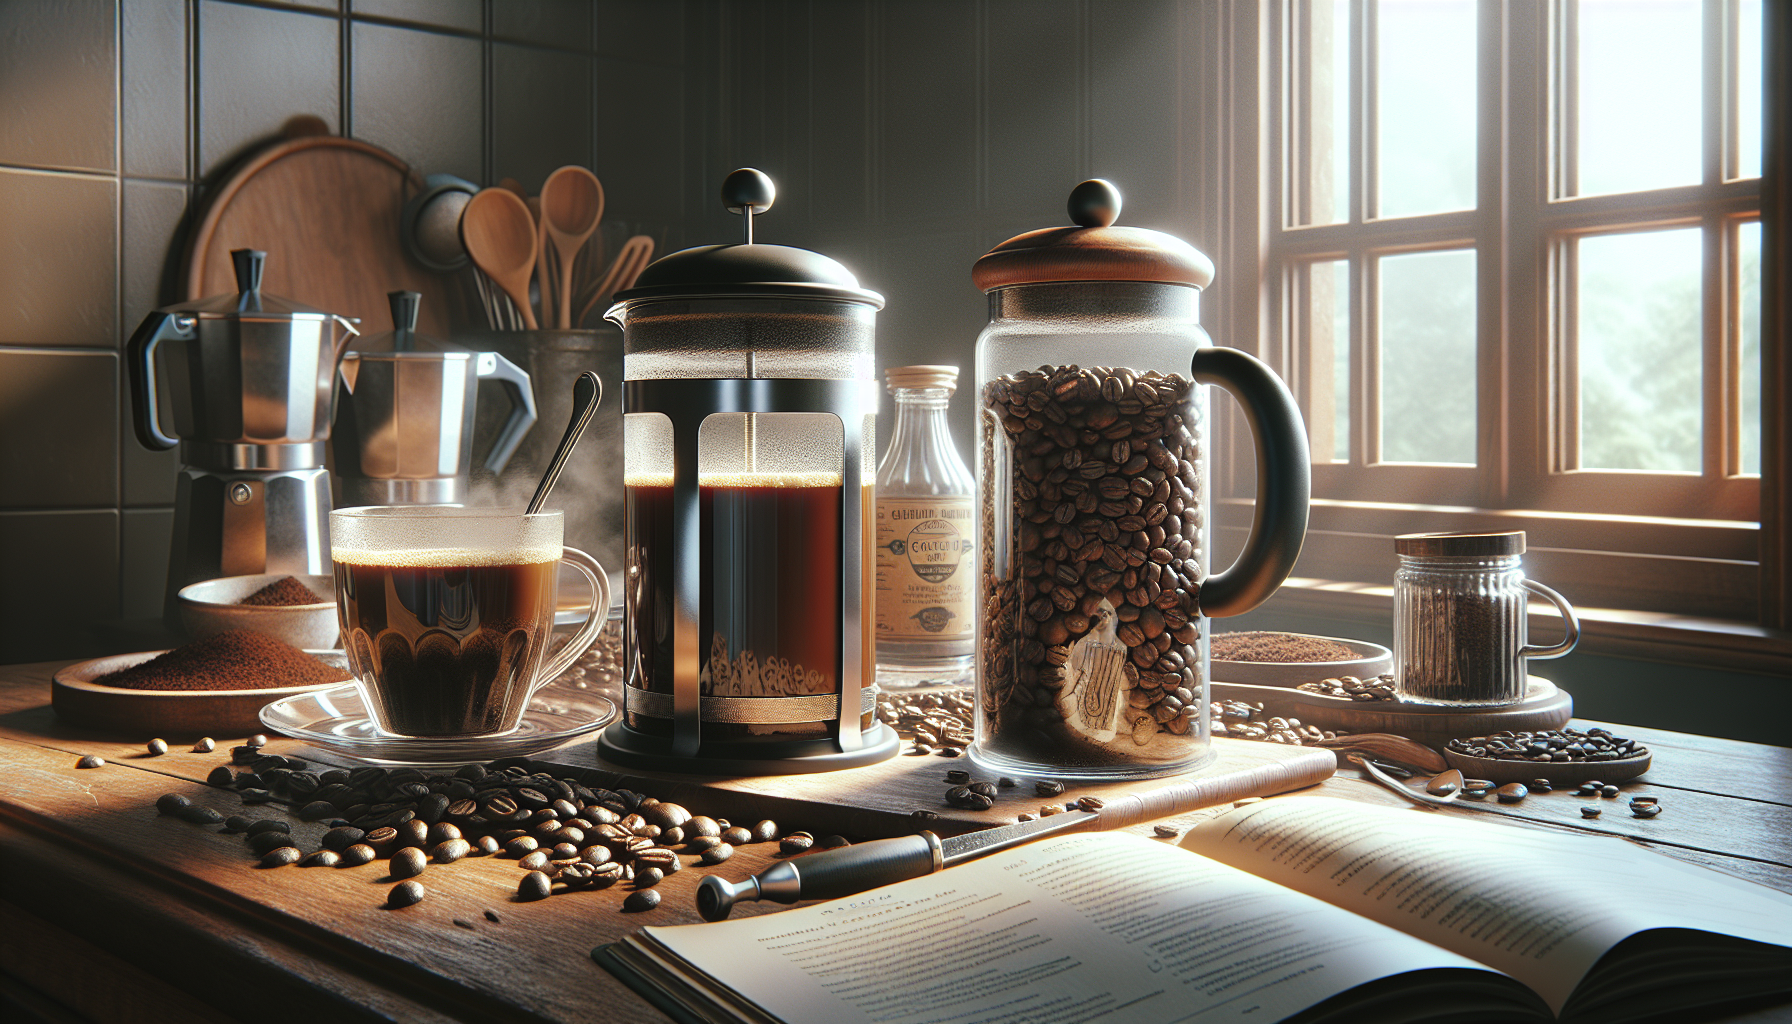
{"x": 326, "y": 211}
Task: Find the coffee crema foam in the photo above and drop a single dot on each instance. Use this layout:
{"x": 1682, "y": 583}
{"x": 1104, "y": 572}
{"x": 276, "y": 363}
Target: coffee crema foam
{"x": 796, "y": 479}
{"x": 444, "y": 558}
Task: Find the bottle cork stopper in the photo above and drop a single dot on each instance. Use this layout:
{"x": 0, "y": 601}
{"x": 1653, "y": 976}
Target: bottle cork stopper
{"x": 921, "y": 377}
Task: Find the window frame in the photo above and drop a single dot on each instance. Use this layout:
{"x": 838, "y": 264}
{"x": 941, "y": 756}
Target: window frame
{"x": 1627, "y": 568}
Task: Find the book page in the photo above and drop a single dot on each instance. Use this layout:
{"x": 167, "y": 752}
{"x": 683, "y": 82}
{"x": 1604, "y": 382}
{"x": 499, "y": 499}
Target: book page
{"x": 1074, "y": 928}
{"x": 1542, "y": 906}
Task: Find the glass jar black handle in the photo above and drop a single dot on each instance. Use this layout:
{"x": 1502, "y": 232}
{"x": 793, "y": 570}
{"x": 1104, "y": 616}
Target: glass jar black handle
{"x": 1284, "y": 481}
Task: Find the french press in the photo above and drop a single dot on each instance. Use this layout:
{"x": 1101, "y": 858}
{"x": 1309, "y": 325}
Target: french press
{"x": 1092, "y": 474}
{"x": 749, "y": 398}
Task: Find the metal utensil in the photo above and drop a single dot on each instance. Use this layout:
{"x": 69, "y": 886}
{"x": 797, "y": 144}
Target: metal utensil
{"x": 500, "y": 236}
{"x": 572, "y": 205}
{"x": 849, "y": 869}
{"x": 586, "y": 391}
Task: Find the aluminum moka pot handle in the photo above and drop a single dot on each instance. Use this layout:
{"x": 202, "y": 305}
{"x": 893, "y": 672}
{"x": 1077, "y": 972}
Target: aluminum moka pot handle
{"x": 1284, "y": 481}
{"x": 140, "y": 363}
{"x": 492, "y": 366}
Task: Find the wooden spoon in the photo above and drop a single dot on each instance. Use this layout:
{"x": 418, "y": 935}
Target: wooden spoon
{"x": 631, "y": 259}
{"x": 572, "y": 204}
{"x": 500, "y": 237}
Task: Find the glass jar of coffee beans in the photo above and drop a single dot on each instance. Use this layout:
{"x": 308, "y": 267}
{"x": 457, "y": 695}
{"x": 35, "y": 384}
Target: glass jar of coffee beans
{"x": 1092, "y": 478}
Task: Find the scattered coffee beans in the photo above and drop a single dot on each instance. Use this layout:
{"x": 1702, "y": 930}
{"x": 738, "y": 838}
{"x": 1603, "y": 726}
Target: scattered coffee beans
{"x": 199, "y": 815}
{"x": 157, "y": 747}
{"x": 796, "y": 842}
{"x": 168, "y": 803}
{"x": 205, "y": 745}
{"x": 91, "y": 761}
{"x": 1165, "y": 831}
{"x": 1352, "y": 688}
{"x": 407, "y": 863}
{"x": 641, "y": 899}
{"x": 717, "y": 854}
{"x": 320, "y": 859}
{"x": 357, "y": 855}
{"x": 1589, "y": 811}
{"x": 534, "y": 886}
{"x": 280, "y": 856}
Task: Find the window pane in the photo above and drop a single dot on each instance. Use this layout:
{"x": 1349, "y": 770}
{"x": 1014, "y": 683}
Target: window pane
{"x": 1327, "y": 373}
{"x": 1427, "y": 361}
{"x": 1425, "y": 109}
{"x": 1748, "y": 90}
{"x": 1640, "y": 355}
{"x": 1639, "y": 95}
{"x": 1319, "y": 164}
{"x": 1748, "y": 286}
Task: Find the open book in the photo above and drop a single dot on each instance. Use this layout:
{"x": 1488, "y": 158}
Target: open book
{"x": 1301, "y": 909}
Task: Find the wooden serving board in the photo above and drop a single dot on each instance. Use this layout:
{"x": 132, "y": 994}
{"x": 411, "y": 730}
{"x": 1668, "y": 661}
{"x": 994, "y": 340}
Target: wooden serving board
{"x": 326, "y": 211}
{"x": 1545, "y": 707}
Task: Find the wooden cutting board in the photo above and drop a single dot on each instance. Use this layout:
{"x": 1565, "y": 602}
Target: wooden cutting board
{"x": 326, "y": 211}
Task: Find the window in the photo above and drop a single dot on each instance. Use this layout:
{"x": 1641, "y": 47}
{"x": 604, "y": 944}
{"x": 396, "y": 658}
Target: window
{"x": 1508, "y": 256}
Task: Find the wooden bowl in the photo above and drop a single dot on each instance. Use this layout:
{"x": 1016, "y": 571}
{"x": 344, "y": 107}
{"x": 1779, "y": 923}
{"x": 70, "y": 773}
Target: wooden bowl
{"x": 1559, "y": 773}
{"x": 211, "y": 607}
{"x": 1372, "y": 660}
{"x": 170, "y": 714}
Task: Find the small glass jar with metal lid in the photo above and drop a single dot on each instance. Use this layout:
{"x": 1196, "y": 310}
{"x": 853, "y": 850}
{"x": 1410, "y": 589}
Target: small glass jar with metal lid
{"x": 1092, "y": 473}
{"x": 1460, "y": 619}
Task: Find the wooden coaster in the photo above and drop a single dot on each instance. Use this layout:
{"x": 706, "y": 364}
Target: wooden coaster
{"x": 1545, "y": 706}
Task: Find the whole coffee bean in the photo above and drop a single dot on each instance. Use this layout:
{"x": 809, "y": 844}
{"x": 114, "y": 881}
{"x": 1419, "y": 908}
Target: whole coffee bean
{"x": 562, "y": 851}
{"x": 958, "y": 777}
{"x": 701, "y": 825}
{"x": 574, "y": 874}
{"x": 534, "y": 886}
{"x": 796, "y": 842}
{"x": 236, "y": 823}
{"x": 356, "y": 855}
{"x": 485, "y": 846}
{"x": 1589, "y": 811}
{"x": 320, "y": 859}
{"x": 268, "y": 825}
{"x": 1048, "y": 787}
{"x": 280, "y": 856}
{"x": 536, "y": 860}
{"x": 658, "y": 856}
{"x": 520, "y": 846}
{"x": 1090, "y": 803}
{"x": 1006, "y": 783}
{"x": 199, "y": 815}
{"x": 406, "y": 894}
{"x": 317, "y": 810}
{"x": 1645, "y": 810}
{"x": 595, "y": 855}
{"x": 987, "y": 789}
{"x": 672, "y": 836}
{"x": 949, "y": 752}
{"x": 450, "y": 850}
{"x": 832, "y": 842}
{"x": 701, "y": 843}
{"x": 1166, "y": 831}
{"x": 383, "y": 840}
{"x": 492, "y": 915}
{"x": 1608, "y": 790}
{"x": 646, "y": 878}
{"x": 262, "y": 842}
{"x": 667, "y": 815}
{"x": 718, "y": 854}
{"x": 735, "y": 835}
{"x": 641, "y": 899}
{"x": 412, "y": 833}
{"x": 168, "y": 803}
{"x": 342, "y": 837}
{"x": 441, "y": 832}
{"x": 254, "y": 794}
{"x": 407, "y": 863}
{"x": 1540, "y": 785}
{"x": 1512, "y": 792}
{"x": 220, "y": 776}
{"x": 157, "y": 747}
{"x": 764, "y": 831}
{"x": 257, "y": 741}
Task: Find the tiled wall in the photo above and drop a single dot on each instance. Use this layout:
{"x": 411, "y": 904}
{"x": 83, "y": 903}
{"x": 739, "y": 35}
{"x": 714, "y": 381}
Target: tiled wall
{"x": 113, "y": 117}
{"x": 908, "y": 137}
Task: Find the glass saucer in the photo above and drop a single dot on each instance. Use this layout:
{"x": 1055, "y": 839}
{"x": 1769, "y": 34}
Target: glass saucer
{"x": 336, "y": 719}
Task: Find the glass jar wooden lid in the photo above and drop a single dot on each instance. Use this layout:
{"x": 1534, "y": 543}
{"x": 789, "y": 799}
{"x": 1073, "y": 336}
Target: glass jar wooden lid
{"x": 1092, "y": 250}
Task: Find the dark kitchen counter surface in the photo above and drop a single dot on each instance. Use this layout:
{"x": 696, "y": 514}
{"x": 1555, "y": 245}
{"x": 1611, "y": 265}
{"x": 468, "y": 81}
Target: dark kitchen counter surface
{"x": 109, "y": 912}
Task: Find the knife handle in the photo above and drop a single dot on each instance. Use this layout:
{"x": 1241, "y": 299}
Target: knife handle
{"x": 831, "y": 874}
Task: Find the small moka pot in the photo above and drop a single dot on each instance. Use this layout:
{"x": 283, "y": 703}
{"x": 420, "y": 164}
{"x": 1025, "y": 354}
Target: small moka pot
{"x": 249, "y": 376}
{"x": 404, "y": 416}
{"x": 749, "y": 399}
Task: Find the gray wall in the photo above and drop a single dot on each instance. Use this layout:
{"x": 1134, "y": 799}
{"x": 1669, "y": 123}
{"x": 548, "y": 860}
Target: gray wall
{"x": 115, "y": 117}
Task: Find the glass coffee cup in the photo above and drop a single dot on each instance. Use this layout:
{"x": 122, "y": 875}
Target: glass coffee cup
{"x": 447, "y": 613}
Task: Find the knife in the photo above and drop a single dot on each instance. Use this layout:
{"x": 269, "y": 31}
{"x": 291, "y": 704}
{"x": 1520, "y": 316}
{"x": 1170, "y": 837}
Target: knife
{"x": 830, "y": 874}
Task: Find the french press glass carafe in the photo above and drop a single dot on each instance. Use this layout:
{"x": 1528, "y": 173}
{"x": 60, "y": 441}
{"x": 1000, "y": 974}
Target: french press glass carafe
{"x": 748, "y": 405}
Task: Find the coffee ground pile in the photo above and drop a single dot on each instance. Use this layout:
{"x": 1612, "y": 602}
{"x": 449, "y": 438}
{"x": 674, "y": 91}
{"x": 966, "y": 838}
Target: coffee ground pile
{"x": 284, "y": 593}
{"x": 232, "y": 660}
{"x": 1281, "y": 648}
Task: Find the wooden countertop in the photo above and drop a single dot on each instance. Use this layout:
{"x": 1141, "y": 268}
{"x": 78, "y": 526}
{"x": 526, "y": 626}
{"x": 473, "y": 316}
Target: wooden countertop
{"x": 117, "y": 914}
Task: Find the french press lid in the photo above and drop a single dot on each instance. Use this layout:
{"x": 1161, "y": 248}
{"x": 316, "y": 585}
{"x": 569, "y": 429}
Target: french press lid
{"x": 250, "y": 302}
{"x": 746, "y": 268}
{"x": 1093, "y": 249}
